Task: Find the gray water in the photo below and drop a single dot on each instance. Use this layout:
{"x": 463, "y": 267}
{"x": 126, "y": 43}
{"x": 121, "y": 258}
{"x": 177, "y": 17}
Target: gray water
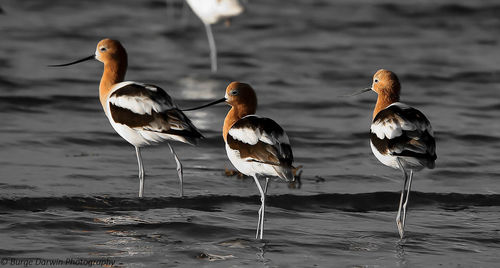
{"x": 68, "y": 182}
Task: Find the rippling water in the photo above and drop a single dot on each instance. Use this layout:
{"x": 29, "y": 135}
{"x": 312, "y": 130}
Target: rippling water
{"x": 68, "y": 183}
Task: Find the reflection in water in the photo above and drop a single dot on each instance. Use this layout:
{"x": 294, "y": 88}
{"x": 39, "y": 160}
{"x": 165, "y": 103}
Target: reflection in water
{"x": 400, "y": 252}
{"x": 261, "y": 254}
{"x": 199, "y": 119}
{"x": 201, "y": 88}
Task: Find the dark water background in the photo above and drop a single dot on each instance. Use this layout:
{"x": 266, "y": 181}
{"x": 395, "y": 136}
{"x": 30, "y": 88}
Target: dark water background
{"x": 68, "y": 183}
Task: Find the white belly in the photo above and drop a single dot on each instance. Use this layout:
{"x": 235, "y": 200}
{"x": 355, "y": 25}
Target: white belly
{"x": 132, "y": 136}
{"x": 391, "y": 161}
{"x": 249, "y": 168}
{"x": 387, "y": 160}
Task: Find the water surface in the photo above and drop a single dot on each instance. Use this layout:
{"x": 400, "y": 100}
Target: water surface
{"x": 68, "y": 183}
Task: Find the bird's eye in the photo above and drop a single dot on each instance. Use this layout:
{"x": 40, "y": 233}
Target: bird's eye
{"x": 102, "y": 49}
{"x": 234, "y": 92}
{"x": 376, "y": 80}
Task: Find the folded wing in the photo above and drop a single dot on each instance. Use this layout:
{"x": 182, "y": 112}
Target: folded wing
{"x": 401, "y": 130}
{"x": 262, "y": 140}
{"x": 149, "y": 108}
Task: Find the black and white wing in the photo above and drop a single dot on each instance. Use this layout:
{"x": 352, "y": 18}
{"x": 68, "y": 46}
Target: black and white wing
{"x": 148, "y": 108}
{"x": 402, "y": 131}
{"x": 263, "y": 141}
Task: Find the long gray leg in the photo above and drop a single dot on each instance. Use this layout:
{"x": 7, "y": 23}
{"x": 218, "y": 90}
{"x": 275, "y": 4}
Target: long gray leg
{"x": 263, "y": 209}
{"x": 267, "y": 183}
{"x": 399, "y": 223}
{"x": 141, "y": 171}
{"x": 260, "y": 209}
{"x": 260, "y": 222}
{"x": 213, "y": 49}
{"x": 180, "y": 172}
{"x": 407, "y": 197}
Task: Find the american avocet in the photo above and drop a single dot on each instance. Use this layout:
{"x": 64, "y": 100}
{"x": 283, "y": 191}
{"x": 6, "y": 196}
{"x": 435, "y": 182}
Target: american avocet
{"x": 210, "y": 12}
{"x": 255, "y": 145}
{"x": 401, "y": 136}
{"x": 142, "y": 114}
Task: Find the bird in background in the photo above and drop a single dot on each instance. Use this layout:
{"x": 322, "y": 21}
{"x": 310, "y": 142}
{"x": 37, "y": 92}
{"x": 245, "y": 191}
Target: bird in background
{"x": 140, "y": 113}
{"x": 401, "y": 137}
{"x": 211, "y": 12}
{"x": 256, "y": 146}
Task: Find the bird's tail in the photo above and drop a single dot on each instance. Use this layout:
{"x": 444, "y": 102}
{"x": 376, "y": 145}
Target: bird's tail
{"x": 185, "y": 130}
{"x": 286, "y": 173}
{"x": 191, "y": 138}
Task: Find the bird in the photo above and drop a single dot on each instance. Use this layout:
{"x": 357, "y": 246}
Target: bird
{"x": 401, "y": 137}
{"x": 256, "y": 146}
{"x": 210, "y": 12}
{"x": 142, "y": 114}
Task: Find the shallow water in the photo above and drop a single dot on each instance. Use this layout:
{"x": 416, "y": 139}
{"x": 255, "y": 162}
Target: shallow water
{"x": 68, "y": 185}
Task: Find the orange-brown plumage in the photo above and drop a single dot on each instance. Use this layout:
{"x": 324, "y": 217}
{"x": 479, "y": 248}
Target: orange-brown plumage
{"x": 388, "y": 88}
{"x": 113, "y": 55}
{"x": 243, "y": 104}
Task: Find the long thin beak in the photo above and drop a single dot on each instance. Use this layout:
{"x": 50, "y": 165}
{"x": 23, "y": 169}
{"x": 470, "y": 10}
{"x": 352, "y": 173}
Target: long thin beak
{"x": 74, "y": 62}
{"x": 206, "y": 105}
{"x": 358, "y": 92}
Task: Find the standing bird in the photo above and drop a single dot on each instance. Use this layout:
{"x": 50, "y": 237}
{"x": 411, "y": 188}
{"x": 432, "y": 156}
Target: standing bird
{"x": 401, "y": 137}
{"x": 210, "y": 12}
{"x": 142, "y": 114}
{"x": 255, "y": 145}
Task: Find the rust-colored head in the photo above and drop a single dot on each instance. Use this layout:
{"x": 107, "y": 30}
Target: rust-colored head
{"x": 386, "y": 83}
{"x": 387, "y": 86}
{"x": 241, "y": 96}
{"x": 109, "y": 50}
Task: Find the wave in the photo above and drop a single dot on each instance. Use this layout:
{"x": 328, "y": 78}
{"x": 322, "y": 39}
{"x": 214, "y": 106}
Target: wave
{"x": 31, "y": 104}
{"x": 473, "y": 139}
{"x": 483, "y": 77}
{"x": 422, "y": 11}
{"x": 361, "y": 202}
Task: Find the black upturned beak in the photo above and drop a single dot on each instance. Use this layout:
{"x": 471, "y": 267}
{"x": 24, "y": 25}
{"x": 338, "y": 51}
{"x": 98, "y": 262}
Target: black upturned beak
{"x": 206, "y": 105}
{"x": 359, "y": 92}
{"x": 74, "y": 62}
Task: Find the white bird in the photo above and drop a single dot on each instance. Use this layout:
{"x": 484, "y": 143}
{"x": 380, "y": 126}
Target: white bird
{"x": 210, "y": 12}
